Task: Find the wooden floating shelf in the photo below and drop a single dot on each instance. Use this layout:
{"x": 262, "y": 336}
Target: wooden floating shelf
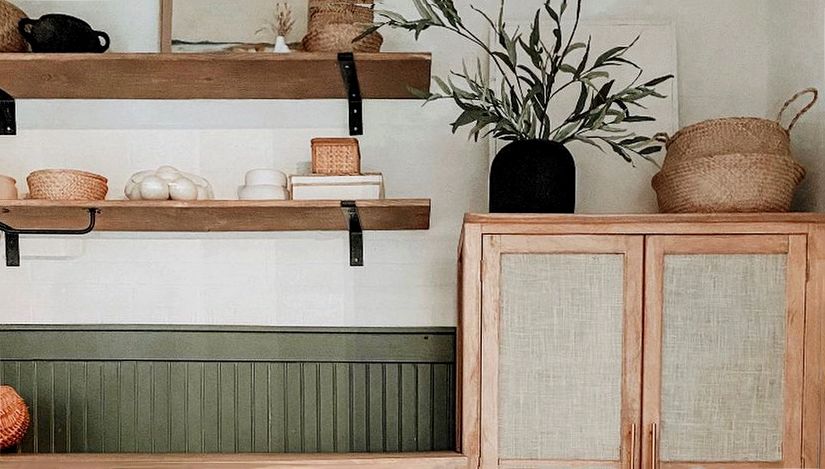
{"x": 216, "y": 216}
{"x": 209, "y": 76}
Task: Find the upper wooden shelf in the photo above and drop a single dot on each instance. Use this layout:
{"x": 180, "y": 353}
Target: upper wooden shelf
{"x": 208, "y": 76}
{"x": 215, "y": 216}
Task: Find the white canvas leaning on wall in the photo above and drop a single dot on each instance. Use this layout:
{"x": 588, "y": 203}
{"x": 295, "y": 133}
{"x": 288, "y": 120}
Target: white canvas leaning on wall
{"x": 605, "y": 182}
{"x": 204, "y": 25}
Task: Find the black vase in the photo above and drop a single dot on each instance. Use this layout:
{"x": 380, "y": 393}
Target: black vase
{"x": 533, "y": 176}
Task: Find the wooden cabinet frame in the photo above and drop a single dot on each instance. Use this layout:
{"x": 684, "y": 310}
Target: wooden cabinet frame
{"x": 657, "y": 247}
{"x": 632, "y": 248}
{"x": 794, "y": 227}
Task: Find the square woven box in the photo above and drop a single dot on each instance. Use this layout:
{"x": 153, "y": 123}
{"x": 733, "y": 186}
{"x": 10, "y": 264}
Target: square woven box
{"x": 336, "y": 156}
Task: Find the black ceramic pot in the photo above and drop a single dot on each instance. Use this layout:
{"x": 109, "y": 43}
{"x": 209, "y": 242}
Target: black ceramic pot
{"x": 533, "y": 176}
{"x": 63, "y": 33}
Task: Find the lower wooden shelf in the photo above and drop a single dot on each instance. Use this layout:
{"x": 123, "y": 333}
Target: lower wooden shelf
{"x": 444, "y": 460}
{"x": 216, "y": 216}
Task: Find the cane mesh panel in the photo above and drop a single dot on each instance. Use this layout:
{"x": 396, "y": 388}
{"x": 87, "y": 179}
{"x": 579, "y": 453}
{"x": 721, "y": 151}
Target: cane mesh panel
{"x": 723, "y": 358}
{"x": 561, "y": 357}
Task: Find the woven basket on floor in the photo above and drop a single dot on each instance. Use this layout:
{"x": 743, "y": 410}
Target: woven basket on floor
{"x": 338, "y": 38}
{"x": 67, "y": 184}
{"x": 735, "y": 183}
{"x": 735, "y": 135}
{"x": 14, "y": 418}
{"x": 10, "y": 38}
{"x": 336, "y": 156}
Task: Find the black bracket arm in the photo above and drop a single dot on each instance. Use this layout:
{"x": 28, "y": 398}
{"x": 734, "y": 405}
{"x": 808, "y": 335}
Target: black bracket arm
{"x": 13, "y": 236}
{"x": 356, "y": 233}
{"x": 8, "y": 114}
{"x": 346, "y": 60}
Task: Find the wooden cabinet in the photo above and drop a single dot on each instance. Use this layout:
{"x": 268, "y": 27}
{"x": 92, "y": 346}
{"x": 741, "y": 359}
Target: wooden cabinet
{"x": 645, "y": 342}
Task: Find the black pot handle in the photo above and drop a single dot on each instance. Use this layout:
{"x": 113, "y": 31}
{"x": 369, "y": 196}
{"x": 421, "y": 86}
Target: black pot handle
{"x": 106, "y": 41}
{"x": 24, "y": 26}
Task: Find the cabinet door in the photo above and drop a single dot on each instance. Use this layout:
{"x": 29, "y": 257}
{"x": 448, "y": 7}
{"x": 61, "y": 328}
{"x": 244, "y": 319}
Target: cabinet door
{"x": 724, "y": 331}
{"x": 561, "y": 351}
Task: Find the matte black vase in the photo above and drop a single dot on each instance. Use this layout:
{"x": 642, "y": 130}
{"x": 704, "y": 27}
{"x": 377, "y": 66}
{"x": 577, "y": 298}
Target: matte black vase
{"x": 533, "y": 176}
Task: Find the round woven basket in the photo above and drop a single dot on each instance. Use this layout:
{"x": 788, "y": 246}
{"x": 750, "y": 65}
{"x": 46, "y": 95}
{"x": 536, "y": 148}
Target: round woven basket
{"x": 14, "y": 418}
{"x": 338, "y": 38}
{"x": 10, "y": 38}
{"x": 734, "y": 183}
{"x": 67, "y": 184}
{"x": 735, "y": 135}
{"x": 323, "y": 12}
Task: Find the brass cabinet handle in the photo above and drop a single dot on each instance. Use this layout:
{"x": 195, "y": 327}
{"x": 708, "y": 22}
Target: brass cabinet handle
{"x": 633, "y": 446}
{"x": 654, "y": 446}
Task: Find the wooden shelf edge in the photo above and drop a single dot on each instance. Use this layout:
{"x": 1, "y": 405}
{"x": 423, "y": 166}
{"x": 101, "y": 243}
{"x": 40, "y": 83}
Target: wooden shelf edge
{"x": 216, "y": 216}
{"x": 439, "y": 460}
{"x": 386, "y": 75}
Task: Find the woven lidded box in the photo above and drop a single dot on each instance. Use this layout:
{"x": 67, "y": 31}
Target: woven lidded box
{"x": 336, "y": 156}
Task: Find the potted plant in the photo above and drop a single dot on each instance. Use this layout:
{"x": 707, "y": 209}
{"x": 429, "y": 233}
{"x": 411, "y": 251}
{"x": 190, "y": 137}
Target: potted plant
{"x": 535, "y": 172}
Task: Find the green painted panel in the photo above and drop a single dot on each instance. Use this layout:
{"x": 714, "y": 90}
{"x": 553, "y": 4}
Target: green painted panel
{"x": 216, "y": 396}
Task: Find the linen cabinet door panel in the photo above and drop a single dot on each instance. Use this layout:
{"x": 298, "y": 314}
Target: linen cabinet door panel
{"x": 561, "y": 351}
{"x": 724, "y": 338}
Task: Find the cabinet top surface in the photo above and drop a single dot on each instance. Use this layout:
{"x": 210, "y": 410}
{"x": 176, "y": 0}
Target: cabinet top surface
{"x": 649, "y": 224}
{"x": 608, "y": 219}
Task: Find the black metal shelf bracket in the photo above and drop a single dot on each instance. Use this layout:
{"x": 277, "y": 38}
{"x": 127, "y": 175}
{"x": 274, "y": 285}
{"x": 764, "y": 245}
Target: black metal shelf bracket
{"x": 346, "y": 61}
{"x": 356, "y": 233}
{"x": 13, "y": 236}
{"x": 8, "y": 114}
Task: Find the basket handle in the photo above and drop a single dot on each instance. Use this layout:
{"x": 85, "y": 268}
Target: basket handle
{"x": 662, "y": 137}
{"x": 814, "y": 98}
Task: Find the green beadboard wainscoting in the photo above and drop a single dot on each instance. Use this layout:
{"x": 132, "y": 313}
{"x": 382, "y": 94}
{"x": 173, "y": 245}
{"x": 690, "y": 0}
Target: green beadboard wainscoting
{"x": 232, "y": 390}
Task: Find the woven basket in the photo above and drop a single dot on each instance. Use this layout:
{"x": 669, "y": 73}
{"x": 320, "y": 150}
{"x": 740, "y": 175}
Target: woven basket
{"x": 14, "y": 418}
{"x": 735, "y": 183}
{"x": 336, "y": 156}
{"x": 323, "y": 12}
{"x": 734, "y": 135}
{"x": 67, "y": 184}
{"x": 10, "y": 38}
{"x": 338, "y": 38}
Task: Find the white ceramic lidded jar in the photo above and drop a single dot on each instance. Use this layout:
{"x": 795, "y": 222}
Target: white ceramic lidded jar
{"x": 8, "y": 188}
{"x": 264, "y": 184}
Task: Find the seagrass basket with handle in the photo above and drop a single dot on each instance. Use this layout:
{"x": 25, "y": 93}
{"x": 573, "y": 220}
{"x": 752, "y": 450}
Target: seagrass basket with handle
{"x": 14, "y": 418}
{"x": 734, "y": 183}
{"x": 735, "y": 135}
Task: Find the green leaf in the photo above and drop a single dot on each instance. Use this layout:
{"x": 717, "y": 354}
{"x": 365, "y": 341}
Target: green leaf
{"x": 650, "y": 150}
{"x": 639, "y": 119}
{"x": 567, "y": 69}
{"x": 619, "y": 150}
{"x": 574, "y": 47}
{"x": 565, "y": 132}
{"x": 535, "y": 33}
{"x": 658, "y": 81}
{"x": 582, "y": 102}
{"x": 443, "y": 85}
{"x": 583, "y": 63}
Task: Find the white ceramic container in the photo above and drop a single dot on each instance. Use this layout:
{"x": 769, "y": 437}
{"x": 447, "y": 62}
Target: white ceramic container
{"x": 263, "y": 192}
{"x": 265, "y": 177}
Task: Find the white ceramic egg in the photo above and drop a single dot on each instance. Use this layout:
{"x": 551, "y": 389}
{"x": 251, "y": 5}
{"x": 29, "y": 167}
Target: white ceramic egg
{"x": 183, "y": 189}
{"x": 154, "y": 188}
{"x": 168, "y": 173}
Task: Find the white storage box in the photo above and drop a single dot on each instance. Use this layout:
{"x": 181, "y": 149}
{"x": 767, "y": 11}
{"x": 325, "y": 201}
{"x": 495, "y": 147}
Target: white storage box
{"x": 364, "y": 187}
